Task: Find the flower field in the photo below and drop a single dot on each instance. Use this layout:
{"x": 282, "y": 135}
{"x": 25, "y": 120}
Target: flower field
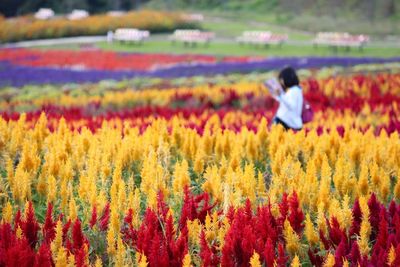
{"x": 27, "y": 27}
{"x": 19, "y": 67}
{"x": 103, "y": 60}
{"x": 196, "y": 176}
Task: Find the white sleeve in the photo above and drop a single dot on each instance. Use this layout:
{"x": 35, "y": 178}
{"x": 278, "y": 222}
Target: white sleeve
{"x": 288, "y": 100}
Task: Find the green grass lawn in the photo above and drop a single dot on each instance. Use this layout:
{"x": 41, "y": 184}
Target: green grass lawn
{"x": 233, "y": 49}
{"x": 233, "y": 28}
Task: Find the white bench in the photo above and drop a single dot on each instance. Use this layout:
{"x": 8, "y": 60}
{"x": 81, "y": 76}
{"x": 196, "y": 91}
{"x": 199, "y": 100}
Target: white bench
{"x": 78, "y": 14}
{"x": 44, "y": 14}
{"x": 261, "y": 38}
{"x": 130, "y": 35}
{"x": 192, "y": 37}
{"x": 337, "y": 39}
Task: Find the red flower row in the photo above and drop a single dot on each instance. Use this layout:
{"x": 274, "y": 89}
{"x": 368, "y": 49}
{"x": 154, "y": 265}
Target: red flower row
{"x": 104, "y": 60}
{"x": 260, "y": 231}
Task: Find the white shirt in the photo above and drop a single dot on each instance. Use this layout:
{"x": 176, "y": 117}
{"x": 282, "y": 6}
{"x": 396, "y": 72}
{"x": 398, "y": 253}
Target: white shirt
{"x": 291, "y": 107}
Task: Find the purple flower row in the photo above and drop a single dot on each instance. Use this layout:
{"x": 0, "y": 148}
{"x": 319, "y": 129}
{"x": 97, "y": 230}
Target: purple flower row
{"x": 19, "y": 75}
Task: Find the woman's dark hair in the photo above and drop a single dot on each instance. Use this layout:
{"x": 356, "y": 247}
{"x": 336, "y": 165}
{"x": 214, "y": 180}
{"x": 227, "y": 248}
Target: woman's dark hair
{"x": 289, "y": 77}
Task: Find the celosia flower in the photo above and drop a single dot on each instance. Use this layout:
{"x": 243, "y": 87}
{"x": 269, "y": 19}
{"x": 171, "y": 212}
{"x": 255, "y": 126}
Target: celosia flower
{"x": 255, "y": 260}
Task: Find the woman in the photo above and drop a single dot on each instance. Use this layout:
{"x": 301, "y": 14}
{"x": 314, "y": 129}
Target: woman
{"x": 290, "y": 101}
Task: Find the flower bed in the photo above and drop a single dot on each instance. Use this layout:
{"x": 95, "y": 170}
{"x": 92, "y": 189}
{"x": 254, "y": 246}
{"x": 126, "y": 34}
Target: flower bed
{"x": 21, "y": 67}
{"x": 106, "y": 61}
{"x": 26, "y": 28}
{"x": 196, "y": 177}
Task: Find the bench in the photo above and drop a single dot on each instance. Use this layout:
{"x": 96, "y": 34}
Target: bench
{"x": 337, "y": 39}
{"x": 130, "y": 35}
{"x": 262, "y": 38}
{"x": 192, "y": 37}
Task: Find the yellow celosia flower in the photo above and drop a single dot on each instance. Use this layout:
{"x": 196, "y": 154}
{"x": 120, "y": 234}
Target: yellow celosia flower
{"x": 211, "y": 226}
{"x": 73, "y": 212}
{"x": 42, "y": 185}
{"x": 391, "y": 256}
{"x": 339, "y": 176}
{"x": 365, "y": 231}
{"x": 329, "y": 261}
{"x": 375, "y": 179}
{"x": 7, "y": 213}
{"x": 295, "y": 262}
{"x": 64, "y": 194}
{"x": 310, "y": 186}
{"x": 384, "y": 189}
{"x": 396, "y": 190}
{"x": 325, "y": 183}
{"x": 21, "y": 188}
{"x": 19, "y": 233}
{"x": 120, "y": 253}
{"x": 98, "y": 262}
{"x": 141, "y": 260}
{"x": 194, "y": 229}
{"x": 291, "y": 238}
{"x": 199, "y": 161}
{"x": 222, "y": 232}
{"x": 321, "y": 221}
{"x": 71, "y": 261}
{"x": 111, "y": 241}
{"x": 52, "y": 188}
{"x": 255, "y": 260}
{"x": 213, "y": 181}
{"x": 187, "y": 261}
{"x": 181, "y": 177}
{"x": 56, "y": 244}
{"x": 248, "y": 182}
{"x": 346, "y": 214}
{"x": 261, "y": 188}
{"x": 61, "y": 258}
{"x": 309, "y": 231}
{"x": 363, "y": 184}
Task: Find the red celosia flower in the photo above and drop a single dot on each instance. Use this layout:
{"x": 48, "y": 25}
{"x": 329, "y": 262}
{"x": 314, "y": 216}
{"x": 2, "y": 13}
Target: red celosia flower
{"x": 315, "y": 259}
{"x": 269, "y": 253}
{"x": 17, "y": 220}
{"x": 355, "y": 254}
{"x": 30, "y": 226}
{"x": 157, "y": 239}
{"x": 208, "y": 255}
{"x": 241, "y": 239}
{"x": 383, "y": 231}
{"x": 357, "y": 218}
{"x": 48, "y": 230}
{"x": 129, "y": 234}
{"x": 194, "y": 207}
{"x": 374, "y": 208}
{"x": 103, "y": 222}
{"x": 335, "y": 233}
{"x": 296, "y": 216}
{"x": 66, "y": 229}
{"x": 324, "y": 240}
{"x": 392, "y": 209}
{"x": 266, "y": 225}
{"x": 340, "y": 253}
{"x": 396, "y": 226}
{"x": 78, "y": 237}
{"x": 282, "y": 258}
{"x": 283, "y": 209}
{"x": 43, "y": 257}
{"x": 81, "y": 257}
{"x": 93, "y": 219}
{"x": 162, "y": 208}
{"x": 19, "y": 254}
